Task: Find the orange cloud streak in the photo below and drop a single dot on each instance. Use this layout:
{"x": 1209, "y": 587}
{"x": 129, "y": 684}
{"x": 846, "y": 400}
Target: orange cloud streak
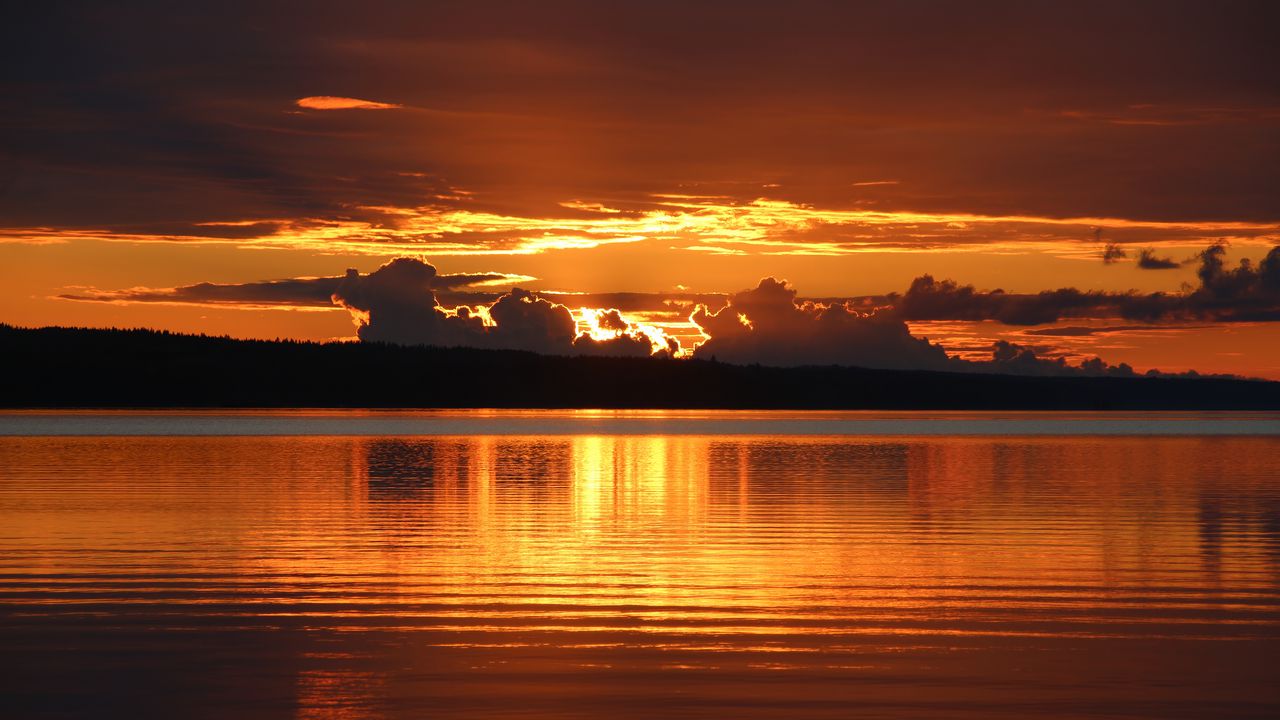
{"x": 331, "y": 102}
{"x": 762, "y": 226}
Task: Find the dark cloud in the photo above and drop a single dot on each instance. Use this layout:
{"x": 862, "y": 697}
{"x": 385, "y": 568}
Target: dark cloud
{"x": 766, "y": 325}
{"x": 294, "y": 292}
{"x": 1248, "y": 292}
{"x": 452, "y": 290}
{"x": 931, "y": 299}
{"x": 158, "y": 111}
{"x": 612, "y": 320}
{"x": 291, "y": 292}
{"x": 1013, "y": 359}
{"x": 1245, "y": 293}
{"x": 399, "y": 303}
{"x": 1084, "y": 331}
{"x": 1113, "y": 253}
{"x": 1242, "y": 294}
{"x": 1148, "y": 260}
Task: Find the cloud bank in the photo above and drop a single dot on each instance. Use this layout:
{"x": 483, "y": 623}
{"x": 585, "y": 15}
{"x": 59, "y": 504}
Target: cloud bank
{"x": 397, "y": 303}
{"x": 767, "y": 325}
{"x": 1246, "y": 293}
{"x": 407, "y": 301}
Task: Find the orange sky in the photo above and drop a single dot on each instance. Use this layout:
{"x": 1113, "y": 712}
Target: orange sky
{"x": 848, "y": 148}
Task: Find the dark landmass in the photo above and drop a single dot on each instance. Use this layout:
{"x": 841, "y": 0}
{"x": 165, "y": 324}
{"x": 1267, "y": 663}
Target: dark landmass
{"x": 68, "y": 367}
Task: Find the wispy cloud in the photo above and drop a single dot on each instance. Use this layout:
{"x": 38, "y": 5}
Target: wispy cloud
{"x": 1151, "y": 115}
{"x": 762, "y": 226}
{"x": 290, "y": 293}
{"x": 333, "y": 102}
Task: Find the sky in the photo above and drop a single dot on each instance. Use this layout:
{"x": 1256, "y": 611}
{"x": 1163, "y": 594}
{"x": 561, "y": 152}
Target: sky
{"x": 1017, "y": 186}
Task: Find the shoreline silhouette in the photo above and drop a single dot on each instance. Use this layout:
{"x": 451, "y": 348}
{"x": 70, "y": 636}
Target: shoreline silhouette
{"x": 91, "y": 368}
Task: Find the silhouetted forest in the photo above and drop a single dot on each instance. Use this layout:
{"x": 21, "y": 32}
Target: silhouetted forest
{"x": 68, "y": 367}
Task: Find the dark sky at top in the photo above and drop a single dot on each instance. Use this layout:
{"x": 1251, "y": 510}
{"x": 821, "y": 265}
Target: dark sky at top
{"x": 160, "y": 113}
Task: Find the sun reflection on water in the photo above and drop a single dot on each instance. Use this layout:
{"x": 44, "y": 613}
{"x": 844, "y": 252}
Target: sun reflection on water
{"x": 373, "y": 577}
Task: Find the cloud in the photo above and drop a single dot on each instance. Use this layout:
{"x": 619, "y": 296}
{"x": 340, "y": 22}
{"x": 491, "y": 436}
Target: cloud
{"x": 397, "y": 304}
{"x": 545, "y": 105}
{"x": 930, "y": 299}
{"x": 1013, "y": 359}
{"x": 766, "y": 325}
{"x": 610, "y": 334}
{"x": 290, "y": 292}
{"x": 401, "y": 303}
{"x": 1113, "y": 253}
{"x": 1246, "y": 293}
{"x": 330, "y": 102}
{"x": 453, "y": 224}
{"x": 1249, "y": 292}
{"x": 1147, "y": 260}
{"x": 1165, "y": 116}
{"x": 1085, "y": 331}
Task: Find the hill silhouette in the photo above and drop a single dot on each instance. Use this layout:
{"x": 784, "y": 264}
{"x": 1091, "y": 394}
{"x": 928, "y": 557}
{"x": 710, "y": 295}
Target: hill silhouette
{"x": 72, "y": 367}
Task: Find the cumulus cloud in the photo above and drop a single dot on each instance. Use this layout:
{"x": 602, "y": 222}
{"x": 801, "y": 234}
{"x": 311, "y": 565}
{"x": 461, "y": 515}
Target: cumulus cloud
{"x": 397, "y": 304}
{"x": 1245, "y": 293}
{"x": 766, "y": 325}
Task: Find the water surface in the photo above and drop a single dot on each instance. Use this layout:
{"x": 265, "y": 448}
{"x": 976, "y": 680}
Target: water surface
{"x": 631, "y": 422}
{"x": 616, "y": 571}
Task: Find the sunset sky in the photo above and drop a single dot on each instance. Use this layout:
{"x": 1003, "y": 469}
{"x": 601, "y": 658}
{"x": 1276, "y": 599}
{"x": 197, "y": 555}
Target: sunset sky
{"x": 160, "y": 163}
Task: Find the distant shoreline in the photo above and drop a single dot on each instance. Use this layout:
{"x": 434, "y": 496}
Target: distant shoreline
{"x": 59, "y": 368}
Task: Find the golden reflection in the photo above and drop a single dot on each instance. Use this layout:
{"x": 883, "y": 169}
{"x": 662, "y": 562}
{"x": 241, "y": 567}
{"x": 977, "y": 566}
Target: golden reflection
{"x": 417, "y": 566}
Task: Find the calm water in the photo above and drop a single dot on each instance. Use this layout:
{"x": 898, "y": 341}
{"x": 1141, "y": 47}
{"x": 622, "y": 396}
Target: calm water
{"x": 639, "y": 565}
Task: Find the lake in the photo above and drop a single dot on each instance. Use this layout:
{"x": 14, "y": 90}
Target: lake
{"x": 639, "y": 564}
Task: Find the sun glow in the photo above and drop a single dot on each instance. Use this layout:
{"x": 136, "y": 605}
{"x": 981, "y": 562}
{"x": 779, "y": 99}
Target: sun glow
{"x": 602, "y": 324}
{"x": 713, "y": 224}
